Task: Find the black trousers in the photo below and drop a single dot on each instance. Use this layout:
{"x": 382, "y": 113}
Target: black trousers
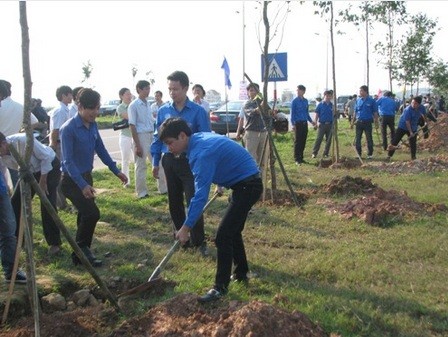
{"x": 229, "y": 239}
{"x": 365, "y": 127}
{"x": 301, "y": 134}
{"x": 412, "y": 142}
{"x": 50, "y": 229}
{"x": 88, "y": 212}
{"x": 387, "y": 122}
{"x": 180, "y": 183}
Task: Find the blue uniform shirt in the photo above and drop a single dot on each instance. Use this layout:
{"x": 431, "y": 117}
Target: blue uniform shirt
{"x": 325, "y": 111}
{"x": 300, "y": 111}
{"x": 412, "y": 115}
{"x": 79, "y": 145}
{"x": 365, "y": 109}
{"x": 3, "y": 187}
{"x": 386, "y": 106}
{"x": 196, "y": 117}
{"x": 215, "y": 159}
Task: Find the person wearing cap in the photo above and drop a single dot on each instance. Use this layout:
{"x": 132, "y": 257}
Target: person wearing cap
{"x": 300, "y": 117}
{"x": 386, "y": 109}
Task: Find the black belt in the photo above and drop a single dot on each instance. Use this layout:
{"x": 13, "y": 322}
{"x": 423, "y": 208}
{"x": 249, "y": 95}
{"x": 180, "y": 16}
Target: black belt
{"x": 246, "y": 180}
{"x": 301, "y": 122}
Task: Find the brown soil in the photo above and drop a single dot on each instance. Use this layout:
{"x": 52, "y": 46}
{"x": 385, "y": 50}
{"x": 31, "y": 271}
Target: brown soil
{"x": 438, "y": 135}
{"x": 346, "y": 163}
{"x": 376, "y": 206}
{"x": 284, "y": 198}
{"x": 439, "y": 163}
{"x": 179, "y": 316}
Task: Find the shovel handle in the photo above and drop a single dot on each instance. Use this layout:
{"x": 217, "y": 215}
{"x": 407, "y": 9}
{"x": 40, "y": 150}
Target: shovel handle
{"x": 165, "y": 260}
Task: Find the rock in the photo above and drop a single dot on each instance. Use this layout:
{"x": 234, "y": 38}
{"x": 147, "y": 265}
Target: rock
{"x": 53, "y": 302}
{"x": 81, "y": 298}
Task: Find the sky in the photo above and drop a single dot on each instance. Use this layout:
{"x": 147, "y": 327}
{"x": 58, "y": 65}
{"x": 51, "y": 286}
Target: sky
{"x": 159, "y": 37}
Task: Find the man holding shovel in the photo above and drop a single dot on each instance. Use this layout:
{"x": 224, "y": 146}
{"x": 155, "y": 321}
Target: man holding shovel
{"x": 219, "y": 160}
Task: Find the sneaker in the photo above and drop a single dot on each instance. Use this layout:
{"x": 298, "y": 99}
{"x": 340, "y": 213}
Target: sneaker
{"x": 237, "y": 279}
{"x": 211, "y": 296}
{"x": 20, "y": 277}
{"x": 313, "y": 156}
{"x": 370, "y": 157}
{"x": 54, "y": 250}
{"x": 325, "y": 156}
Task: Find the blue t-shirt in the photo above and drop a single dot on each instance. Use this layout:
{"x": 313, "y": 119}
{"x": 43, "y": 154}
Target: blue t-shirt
{"x": 79, "y": 145}
{"x": 365, "y": 109}
{"x": 386, "y": 106}
{"x": 3, "y": 186}
{"x": 195, "y": 115}
{"x": 325, "y": 112}
{"x": 412, "y": 115}
{"x": 215, "y": 159}
{"x": 300, "y": 110}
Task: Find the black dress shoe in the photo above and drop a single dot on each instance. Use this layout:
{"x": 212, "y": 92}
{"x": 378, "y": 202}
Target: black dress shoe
{"x": 211, "y": 296}
{"x": 88, "y": 254}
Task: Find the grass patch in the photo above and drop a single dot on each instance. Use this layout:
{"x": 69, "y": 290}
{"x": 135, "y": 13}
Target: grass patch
{"x": 352, "y": 278}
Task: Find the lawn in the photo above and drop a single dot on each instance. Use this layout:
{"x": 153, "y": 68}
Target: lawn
{"x": 350, "y": 277}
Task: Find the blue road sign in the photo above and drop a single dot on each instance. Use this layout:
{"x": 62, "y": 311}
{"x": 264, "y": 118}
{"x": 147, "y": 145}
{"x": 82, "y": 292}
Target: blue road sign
{"x": 278, "y": 67}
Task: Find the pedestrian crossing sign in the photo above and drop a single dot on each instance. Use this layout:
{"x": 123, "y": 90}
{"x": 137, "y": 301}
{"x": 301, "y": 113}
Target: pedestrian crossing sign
{"x": 278, "y": 69}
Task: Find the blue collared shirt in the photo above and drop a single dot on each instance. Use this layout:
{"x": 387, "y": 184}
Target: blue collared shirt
{"x": 412, "y": 115}
{"x": 3, "y": 187}
{"x": 324, "y": 111}
{"x": 365, "y": 109}
{"x": 215, "y": 159}
{"x": 79, "y": 145}
{"x": 386, "y": 106}
{"x": 196, "y": 117}
{"x": 300, "y": 111}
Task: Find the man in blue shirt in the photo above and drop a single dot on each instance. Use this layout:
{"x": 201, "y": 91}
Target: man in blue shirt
{"x": 219, "y": 160}
{"x": 179, "y": 178}
{"x": 8, "y": 239}
{"x": 324, "y": 114}
{"x": 366, "y": 112}
{"x": 387, "y": 108}
{"x": 300, "y": 117}
{"x": 80, "y": 140}
{"x": 407, "y": 125}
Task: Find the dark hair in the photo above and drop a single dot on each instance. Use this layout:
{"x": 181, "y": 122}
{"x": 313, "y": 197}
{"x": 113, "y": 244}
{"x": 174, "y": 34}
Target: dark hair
{"x": 2, "y": 137}
{"x": 388, "y": 94}
{"x": 89, "y": 98}
{"x": 75, "y": 92}
{"x": 172, "y": 127}
{"x": 418, "y": 99}
{"x": 364, "y": 88}
{"x": 142, "y": 84}
{"x": 301, "y": 87}
{"x": 253, "y": 85}
{"x": 159, "y": 92}
{"x": 63, "y": 90}
{"x": 200, "y": 87}
{"x": 328, "y": 92}
{"x": 181, "y": 77}
{"x": 6, "y": 91}
{"x": 122, "y": 92}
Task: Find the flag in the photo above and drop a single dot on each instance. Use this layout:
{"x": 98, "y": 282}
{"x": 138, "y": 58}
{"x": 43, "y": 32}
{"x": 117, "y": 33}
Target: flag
{"x": 226, "y": 68}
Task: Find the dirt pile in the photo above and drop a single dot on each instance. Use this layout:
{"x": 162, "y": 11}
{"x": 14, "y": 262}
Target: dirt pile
{"x": 438, "y": 135}
{"x": 376, "y": 206}
{"x": 346, "y": 163}
{"x": 283, "y": 197}
{"x": 438, "y": 163}
{"x": 183, "y": 316}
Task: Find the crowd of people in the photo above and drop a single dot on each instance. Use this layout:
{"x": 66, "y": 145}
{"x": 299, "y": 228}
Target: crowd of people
{"x": 185, "y": 156}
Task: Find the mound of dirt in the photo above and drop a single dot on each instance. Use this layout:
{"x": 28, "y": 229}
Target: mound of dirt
{"x": 438, "y": 135}
{"x": 349, "y": 185}
{"x": 184, "y": 316}
{"x": 376, "y": 206}
{"x": 346, "y": 163}
{"x": 439, "y": 163}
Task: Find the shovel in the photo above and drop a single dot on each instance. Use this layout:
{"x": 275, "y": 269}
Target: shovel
{"x": 155, "y": 274}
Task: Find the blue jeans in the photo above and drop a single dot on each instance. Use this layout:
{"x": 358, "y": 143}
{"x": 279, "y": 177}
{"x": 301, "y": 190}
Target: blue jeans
{"x": 8, "y": 240}
{"x": 366, "y": 127}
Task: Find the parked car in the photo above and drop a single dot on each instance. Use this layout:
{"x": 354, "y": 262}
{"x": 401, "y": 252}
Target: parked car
{"x": 215, "y": 105}
{"x": 109, "y": 107}
{"x": 341, "y": 102}
{"x": 226, "y": 118}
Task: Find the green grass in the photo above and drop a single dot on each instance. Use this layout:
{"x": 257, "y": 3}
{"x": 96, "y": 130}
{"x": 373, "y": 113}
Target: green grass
{"x": 352, "y": 278}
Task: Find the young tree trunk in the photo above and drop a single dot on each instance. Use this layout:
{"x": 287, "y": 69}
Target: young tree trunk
{"x": 333, "y": 62}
